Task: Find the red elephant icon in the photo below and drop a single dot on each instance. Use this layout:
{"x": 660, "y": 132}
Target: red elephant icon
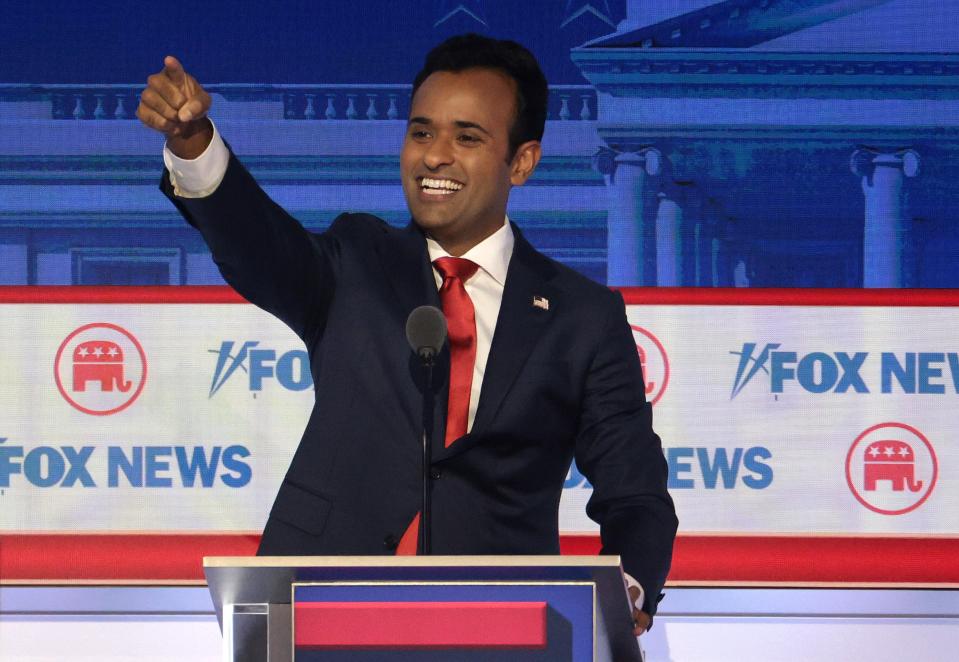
{"x": 892, "y": 460}
{"x": 650, "y": 386}
{"x": 99, "y": 361}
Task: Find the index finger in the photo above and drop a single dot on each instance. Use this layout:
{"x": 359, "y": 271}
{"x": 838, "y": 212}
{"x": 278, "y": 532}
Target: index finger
{"x": 174, "y": 70}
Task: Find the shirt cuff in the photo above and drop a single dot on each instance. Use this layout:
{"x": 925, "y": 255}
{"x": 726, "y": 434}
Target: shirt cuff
{"x": 630, "y": 582}
{"x": 199, "y": 177}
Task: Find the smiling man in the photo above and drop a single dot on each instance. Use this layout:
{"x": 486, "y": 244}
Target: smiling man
{"x": 459, "y": 159}
{"x": 540, "y": 367}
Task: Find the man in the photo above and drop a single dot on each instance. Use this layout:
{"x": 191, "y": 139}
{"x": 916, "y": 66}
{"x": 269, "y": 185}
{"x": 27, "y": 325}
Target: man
{"x": 541, "y": 365}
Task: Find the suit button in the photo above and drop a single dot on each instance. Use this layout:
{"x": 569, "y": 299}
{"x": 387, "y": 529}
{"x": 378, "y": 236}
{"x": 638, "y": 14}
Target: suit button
{"x": 436, "y": 474}
{"x": 391, "y": 543}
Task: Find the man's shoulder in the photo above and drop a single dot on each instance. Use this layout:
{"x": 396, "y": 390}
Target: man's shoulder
{"x": 363, "y": 229}
{"x": 575, "y": 285}
{"x": 359, "y": 223}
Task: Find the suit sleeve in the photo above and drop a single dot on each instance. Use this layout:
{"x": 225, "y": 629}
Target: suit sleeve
{"x": 262, "y": 251}
{"x": 621, "y": 456}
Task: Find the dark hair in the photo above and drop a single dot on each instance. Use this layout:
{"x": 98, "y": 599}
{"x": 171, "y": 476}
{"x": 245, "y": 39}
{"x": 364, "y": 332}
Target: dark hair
{"x": 471, "y": 51}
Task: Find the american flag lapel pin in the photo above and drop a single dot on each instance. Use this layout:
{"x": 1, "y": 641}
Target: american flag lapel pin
{"x": 541, "y": 302}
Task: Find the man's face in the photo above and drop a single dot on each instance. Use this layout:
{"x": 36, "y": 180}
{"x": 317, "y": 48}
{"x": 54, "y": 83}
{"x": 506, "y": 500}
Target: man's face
{"x": 454, "y": 166}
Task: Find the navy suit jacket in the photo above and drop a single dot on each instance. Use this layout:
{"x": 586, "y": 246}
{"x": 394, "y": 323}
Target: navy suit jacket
{"x": 560, "y": 383}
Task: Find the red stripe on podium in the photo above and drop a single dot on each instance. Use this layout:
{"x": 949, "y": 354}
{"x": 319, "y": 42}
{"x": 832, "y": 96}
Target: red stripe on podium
{"x": 343, "y": 625}
{"x": 64, "y": 557}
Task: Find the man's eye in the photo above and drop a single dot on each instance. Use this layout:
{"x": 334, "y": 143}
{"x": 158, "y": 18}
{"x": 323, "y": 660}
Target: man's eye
{"x": 467, "y": 138}
{"x": 419, "y": 134}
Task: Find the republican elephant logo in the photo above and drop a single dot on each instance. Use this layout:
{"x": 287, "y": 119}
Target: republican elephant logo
{"x": 891, "y": 468}
{"x": 893, "y": 461}
{"x": 100, "y": 369}
{"x": 99, "y": 361}
{"x": 654, "y": 362}
{"x": 650, "y": 384}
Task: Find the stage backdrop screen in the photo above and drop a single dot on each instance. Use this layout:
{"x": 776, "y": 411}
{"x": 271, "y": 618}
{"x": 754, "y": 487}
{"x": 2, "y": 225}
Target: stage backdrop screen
{"x": 770, "y": 185}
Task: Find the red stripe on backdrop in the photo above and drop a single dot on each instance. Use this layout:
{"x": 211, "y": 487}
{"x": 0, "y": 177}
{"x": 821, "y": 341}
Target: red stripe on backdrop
{"x": 826, "y": 559}
{"x": 119, "y": 295}
{"x": 855, "y": 560}
{"x": 111, "y": 557}
{"x": 735, "y": 296}
{"x": 633, "y": 295}
{"x": 722, "y": 559}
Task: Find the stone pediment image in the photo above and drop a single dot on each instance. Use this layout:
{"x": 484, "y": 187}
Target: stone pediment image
{"x": 778, "y": 132}
{"x": 838, "y": 25}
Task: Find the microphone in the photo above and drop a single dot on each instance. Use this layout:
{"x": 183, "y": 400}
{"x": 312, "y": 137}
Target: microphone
{"x": 426, "y": 332}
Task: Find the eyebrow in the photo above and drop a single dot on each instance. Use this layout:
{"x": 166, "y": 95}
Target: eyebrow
{"x": 462, "y": 124}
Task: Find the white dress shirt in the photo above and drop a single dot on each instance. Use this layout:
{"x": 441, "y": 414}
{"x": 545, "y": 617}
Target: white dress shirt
{"x": 199, "y": 177}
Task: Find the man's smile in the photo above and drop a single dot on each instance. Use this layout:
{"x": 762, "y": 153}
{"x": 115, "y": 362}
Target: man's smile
{"x": 439, "y": 186}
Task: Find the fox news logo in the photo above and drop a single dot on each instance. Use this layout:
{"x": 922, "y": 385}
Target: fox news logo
{"x": 847, "y": 372}
{"x": 706, "y": 468}
{"x": 125, "y": 466}
{"x": 290, "y": 369}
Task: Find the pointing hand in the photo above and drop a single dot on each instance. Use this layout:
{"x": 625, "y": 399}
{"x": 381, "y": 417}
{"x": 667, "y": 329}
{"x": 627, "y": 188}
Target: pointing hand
{"x": 174, "y": 104}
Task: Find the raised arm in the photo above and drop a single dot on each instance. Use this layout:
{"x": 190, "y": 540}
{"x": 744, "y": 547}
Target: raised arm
{"x": 262, "y": 252}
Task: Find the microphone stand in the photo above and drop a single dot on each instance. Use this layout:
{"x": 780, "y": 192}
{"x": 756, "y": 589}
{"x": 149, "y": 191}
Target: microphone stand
{"x": 426, "y": 332}
{"x": 428, "y": 362}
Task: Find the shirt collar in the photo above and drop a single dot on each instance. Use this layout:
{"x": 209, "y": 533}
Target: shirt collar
{"x": 492, "y": 254}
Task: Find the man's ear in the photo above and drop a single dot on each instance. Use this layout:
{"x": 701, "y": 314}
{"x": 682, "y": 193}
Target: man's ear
{"x": 524, "y": 162}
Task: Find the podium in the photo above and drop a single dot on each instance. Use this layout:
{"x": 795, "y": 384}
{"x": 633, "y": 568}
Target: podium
{"x": 422, "y": 608}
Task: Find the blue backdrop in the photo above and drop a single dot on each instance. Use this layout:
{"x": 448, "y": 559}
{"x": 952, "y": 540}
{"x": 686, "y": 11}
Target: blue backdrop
{"x": 752, "y": 143}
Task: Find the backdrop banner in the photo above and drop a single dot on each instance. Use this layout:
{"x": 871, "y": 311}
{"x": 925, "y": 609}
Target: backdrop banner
{"x": 793, "y": 421}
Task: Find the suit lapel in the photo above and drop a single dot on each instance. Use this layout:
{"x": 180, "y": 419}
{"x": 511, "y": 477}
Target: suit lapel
{"x": 405, "y": 259}
{"x": 518, "y": 326}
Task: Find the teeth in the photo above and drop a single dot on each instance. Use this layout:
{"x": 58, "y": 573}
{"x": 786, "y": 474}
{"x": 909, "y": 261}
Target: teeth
{"x": 442, "y": 184}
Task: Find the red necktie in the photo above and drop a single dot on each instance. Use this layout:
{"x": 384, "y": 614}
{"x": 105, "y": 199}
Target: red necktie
{"x": 461, "y": 323}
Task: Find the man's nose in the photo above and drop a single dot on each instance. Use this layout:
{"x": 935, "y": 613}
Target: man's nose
{"x": 438, "y": 153}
